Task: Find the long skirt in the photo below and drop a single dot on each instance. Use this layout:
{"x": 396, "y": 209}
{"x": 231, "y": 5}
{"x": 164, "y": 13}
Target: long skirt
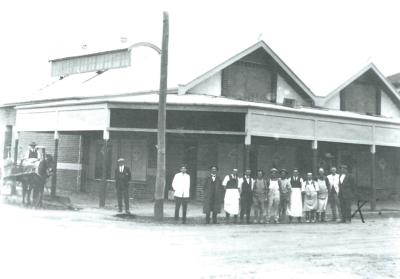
{"x": 322, "y": 203}
{"x": 231, "y": 201}
{"x": 311, "y": 201}
{"x": 295, "y": 208}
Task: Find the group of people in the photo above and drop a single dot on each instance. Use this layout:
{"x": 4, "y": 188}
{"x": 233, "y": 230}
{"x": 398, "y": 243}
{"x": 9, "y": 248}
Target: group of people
{"x": 273, "y": 198}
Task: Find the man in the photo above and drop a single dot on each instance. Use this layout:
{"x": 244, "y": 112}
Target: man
{"x": 181, "y": 186}
{"x": 296, "y": 201}
{"x": 32, "y": 152}
{"x": 213, "y": 192}
{"x": 323, "y": 190}
{"x": 246, "y": 196}
{"x": 333, "y": 196}
{"x": 259, "y": 196}
{"x": 273, "y": 185}
{"x": 232, "y": 195}
{"x": 285, "y": 190}
{"x": 122, "y": 178}
{"x": 346, "y": 189}
{"x": 310, "y": 189}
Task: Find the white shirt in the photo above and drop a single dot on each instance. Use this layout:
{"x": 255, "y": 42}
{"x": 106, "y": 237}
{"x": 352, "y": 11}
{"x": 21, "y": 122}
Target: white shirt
{"x": 121, "y": 168}
{"x": 334, "y": 181}
{"x": 226, "y": 179}
{"x": 342, "y": 178}
{"x": 181, "y": 185}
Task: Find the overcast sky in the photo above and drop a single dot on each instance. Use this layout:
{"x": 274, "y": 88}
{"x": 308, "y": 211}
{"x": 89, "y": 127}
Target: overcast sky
{"x": 313, "y": 37}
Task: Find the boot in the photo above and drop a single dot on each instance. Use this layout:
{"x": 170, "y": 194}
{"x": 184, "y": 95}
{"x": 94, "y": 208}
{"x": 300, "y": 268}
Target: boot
{"x": 323, "y": 219}
{"x": 312, "y": 217}
{"x": 317, "y": 217}
{"x": 307, "y": 216}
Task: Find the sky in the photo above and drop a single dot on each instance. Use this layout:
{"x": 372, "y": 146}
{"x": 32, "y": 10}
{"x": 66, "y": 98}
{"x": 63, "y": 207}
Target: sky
{"x": 318, "y": 40}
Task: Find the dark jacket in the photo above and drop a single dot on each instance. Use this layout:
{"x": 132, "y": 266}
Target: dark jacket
{"x": 346, "y": 188}
{"x": 213, "y": 195}
{"x": 122, "y": 179}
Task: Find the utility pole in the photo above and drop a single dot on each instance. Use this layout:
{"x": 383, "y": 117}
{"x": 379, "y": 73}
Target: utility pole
{"x": 160, "y": 179}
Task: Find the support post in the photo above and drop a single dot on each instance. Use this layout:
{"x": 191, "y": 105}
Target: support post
{"x": 160, "y": 178}
{"x": 373, "y": 177}
{"x": 16, "y": 147}
{"x": 54, "y": 176}
{"x": 103, "y": 187}
{"x": 247, "y": 151}
{"x": 314, "y": 146}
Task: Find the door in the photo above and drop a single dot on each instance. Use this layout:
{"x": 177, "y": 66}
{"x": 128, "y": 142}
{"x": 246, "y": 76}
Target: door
{"x": 190, "y": 159}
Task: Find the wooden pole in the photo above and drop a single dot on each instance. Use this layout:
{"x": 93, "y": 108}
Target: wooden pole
{"x": 16, "y": 146}
{"x": 160, "y": 179}
{"x": 373, "y": 177}
{"x": 314, "y": 146}
{"x": 54, "y": 176}
{"x": 103, "y": 187}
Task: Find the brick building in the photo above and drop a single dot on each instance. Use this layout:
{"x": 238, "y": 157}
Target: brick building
{"x": 251, "y": 110}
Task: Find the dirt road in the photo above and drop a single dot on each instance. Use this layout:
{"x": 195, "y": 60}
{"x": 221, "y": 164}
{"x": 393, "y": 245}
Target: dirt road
{"x": 94, "y": 244}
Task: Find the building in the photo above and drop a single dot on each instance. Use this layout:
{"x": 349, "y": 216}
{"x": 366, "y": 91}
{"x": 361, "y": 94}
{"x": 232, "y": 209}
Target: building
{"x": 251, "y": 110}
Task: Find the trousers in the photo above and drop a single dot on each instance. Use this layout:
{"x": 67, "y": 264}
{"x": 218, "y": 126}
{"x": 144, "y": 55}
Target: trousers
{"x": 123, "y": 194}
{"x": 178, "y": 202}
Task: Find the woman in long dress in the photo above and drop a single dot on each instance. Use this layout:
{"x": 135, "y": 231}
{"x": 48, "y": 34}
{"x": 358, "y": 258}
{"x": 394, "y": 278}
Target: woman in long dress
{"x": 310, "y": 188}
{"x": 323, "y": 186}
{"x": 295, "y": 209}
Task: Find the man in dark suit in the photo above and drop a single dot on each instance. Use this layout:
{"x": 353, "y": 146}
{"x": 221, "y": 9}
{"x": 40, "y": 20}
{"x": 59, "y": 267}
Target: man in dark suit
{"x": 346, "y": 190}
{"x": 213, "y": 194}
{"x": 122, "y": 178}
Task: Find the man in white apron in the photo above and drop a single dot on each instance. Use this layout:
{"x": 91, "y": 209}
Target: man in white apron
{"x": 232, "y": 195}
{"x": 296, "y": 202}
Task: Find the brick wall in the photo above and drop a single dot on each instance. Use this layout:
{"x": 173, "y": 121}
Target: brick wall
{"x": 68, "y": 152}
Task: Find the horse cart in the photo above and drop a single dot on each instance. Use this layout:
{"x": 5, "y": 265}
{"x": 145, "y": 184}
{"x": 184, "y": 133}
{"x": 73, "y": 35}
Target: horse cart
{"x": 31, "y": 174}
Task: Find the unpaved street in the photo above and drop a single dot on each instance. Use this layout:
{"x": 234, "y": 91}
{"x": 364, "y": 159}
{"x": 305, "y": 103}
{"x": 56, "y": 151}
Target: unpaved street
{"x": 94, "y": 244}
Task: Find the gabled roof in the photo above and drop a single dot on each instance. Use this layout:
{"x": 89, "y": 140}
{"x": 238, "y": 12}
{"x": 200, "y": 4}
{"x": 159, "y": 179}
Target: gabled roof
{"x": 370, "y": 67}
{"x": 259, "y": 45}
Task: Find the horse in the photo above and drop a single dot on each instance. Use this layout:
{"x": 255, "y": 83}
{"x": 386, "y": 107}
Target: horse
{"x": 33, "y": 176}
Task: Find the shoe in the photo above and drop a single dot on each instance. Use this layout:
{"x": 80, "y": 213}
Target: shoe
{"x": 255, "y": 221}
{"x": 277, "y": 222}
{"x": 128, "y": 212}
{"x": 307, "y": 221}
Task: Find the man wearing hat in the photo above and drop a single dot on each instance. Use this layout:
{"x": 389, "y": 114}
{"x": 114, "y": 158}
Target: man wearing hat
{"x": 122, "y": 178}
{"x": 32, "y": 152}
{"x": 285, "y": 190}
{"x": 346, "y": 189}
{"x": 273, "y": 186}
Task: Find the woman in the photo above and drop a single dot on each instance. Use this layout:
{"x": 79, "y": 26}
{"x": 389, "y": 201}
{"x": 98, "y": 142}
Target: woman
{"x": 310, "y": 188}
{"x": 295, "y": 209}
{"x": 323, "y": 186}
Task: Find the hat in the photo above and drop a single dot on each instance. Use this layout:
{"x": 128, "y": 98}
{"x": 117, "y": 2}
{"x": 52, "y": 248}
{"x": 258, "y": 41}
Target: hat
{"x": 283, "y": 170}
{"x": 121, "y": 160}
{"x": 273, "y": 170}
{"x": 32, "y": 143}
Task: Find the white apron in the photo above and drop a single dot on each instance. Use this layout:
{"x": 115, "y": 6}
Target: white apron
{"x": 231, "y": 201}
{"x": 322, "y": 195}
{"x": 311, "y": 196}
{"x": 295, "y": 208}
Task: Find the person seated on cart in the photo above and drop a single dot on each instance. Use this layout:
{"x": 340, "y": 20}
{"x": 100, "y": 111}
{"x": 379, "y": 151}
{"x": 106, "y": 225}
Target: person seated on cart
{"x": 33, "y": 152}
